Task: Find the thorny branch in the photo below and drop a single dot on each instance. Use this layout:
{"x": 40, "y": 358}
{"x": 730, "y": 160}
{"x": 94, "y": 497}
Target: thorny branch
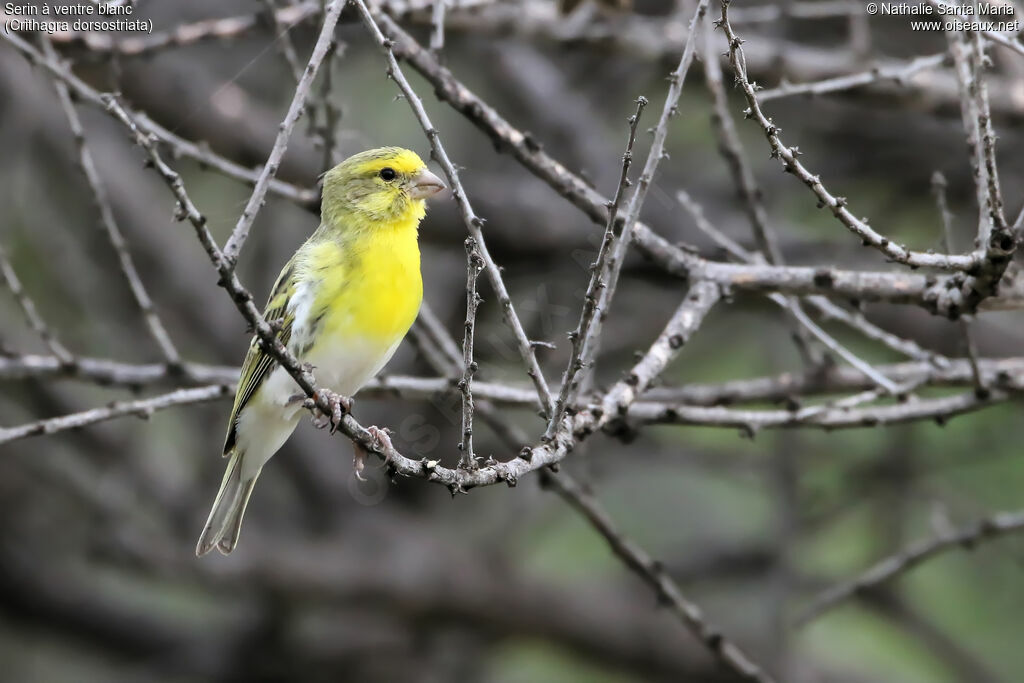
{"x": 474, "y": 264}
{"x": 984, "y": 267}
{"x": 610, "y": 279}
{"x": 788, "y": 157}
{"x": 585, "y": 329}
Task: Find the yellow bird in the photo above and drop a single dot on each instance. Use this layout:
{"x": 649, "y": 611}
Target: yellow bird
{"x": 342, "y": 304}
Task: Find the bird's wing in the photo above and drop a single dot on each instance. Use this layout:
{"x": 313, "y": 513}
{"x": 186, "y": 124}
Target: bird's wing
{"x": 258, "y": 363}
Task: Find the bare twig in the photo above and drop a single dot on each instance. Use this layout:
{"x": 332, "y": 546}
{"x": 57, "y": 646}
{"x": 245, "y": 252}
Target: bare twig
{"x": 579, "y": 336}
{"x": 887, "y": 72}
{"x": 996, "y": 242}
{"x": 28, "y": 307}
{"x": 283, "y": 41}
{"x": 592, "y": 340}
{"x": 994, "y": 36}
{"x": 825, "y": 308}
{"x": 327, "y": 132}
{"x": 309, "y": 198}
{"x": 993, "y": 192}
{"x": 323, "y": 136}
{"x": 788, "y": 304}
{"x": 968, "y": 537}
{"x": 837, "y": 205}
{"x": 437, "y": 18}
{"x": 681, "y": 326}
{"x": 106, "y": 372}
{"x": 627, "y": 550}
{"x": 140, "y": 408}
{"x": 935, "y": 294}
{"x": 839, "y": 349}
{"x": 474, "y": 264}
{"x": 790, "y": 386}
{"x": 472, "y": 221}
{"x": 323, "y": 43}
{"x": 838, "y": 415}
{"x": 242, "y": 299}
{"x": 967, "y": 80}
{"x": 731, "y": 148}
{"x": 99, "y": 192}
{"x": 653, "y": 573}
{"x": 101, "y": 43}
{"x": 825, "y": 9}
{"x": 438, "y": 347}
{"x": 1007, "y": 373}
{"x": 856, "y": 321}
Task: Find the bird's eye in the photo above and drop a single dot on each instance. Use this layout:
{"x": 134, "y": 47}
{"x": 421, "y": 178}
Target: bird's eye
{"x": 388, "y": 174}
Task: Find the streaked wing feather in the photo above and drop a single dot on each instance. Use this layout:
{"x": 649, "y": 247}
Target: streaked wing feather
{"x": 258, "y": 363}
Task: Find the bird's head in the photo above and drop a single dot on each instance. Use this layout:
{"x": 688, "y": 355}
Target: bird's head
{"x": 387, "y": 185}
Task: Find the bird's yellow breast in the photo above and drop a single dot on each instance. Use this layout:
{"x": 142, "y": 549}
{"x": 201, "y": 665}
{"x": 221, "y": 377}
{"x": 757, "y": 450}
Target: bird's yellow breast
{"x": 371, "y": 286}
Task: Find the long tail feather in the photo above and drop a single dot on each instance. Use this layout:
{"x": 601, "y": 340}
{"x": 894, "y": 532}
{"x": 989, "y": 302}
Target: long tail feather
{"x": 225, "y": 521}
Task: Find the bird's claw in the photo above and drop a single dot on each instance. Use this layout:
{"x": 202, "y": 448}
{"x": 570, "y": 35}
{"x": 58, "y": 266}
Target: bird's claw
{"x": 382, "y": 441}
{"x": 340, "y": 405}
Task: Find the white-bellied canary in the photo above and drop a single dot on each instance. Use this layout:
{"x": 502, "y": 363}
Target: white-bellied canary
{"x": 342, "y": 304}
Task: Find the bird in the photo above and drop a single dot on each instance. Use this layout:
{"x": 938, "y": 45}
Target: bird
{"x": 342, "y": 305}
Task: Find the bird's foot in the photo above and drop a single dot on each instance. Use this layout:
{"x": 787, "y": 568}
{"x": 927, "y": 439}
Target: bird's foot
{"x": 340, "y": 405}
{"x": 359, "y": 456}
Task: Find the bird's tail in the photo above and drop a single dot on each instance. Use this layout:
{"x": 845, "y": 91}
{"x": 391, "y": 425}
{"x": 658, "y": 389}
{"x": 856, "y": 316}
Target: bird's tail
{"x": 225, "y": 521}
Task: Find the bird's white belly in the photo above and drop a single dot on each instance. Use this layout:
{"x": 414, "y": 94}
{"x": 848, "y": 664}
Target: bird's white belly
{"x": 343, "y": 366}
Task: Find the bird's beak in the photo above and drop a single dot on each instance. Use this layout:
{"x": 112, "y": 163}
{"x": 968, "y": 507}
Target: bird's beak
{"x": 425, "y": 184}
